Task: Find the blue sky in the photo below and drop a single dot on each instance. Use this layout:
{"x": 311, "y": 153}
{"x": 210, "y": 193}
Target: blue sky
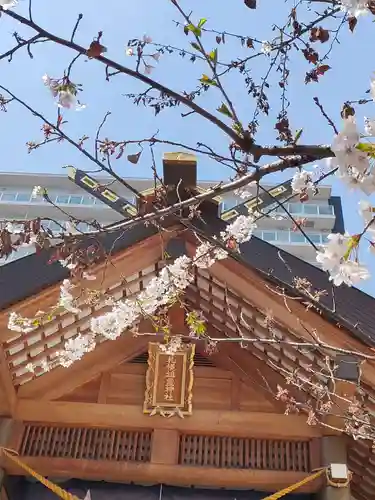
{"x": 121, "y": 21}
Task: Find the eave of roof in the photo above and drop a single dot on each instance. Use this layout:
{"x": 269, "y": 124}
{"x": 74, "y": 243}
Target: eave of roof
{"x": 345, "y": 306}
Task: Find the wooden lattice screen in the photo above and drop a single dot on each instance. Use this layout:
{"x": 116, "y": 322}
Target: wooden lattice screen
{"x": 244, "y": 453}
{"x": 82, "y": 443}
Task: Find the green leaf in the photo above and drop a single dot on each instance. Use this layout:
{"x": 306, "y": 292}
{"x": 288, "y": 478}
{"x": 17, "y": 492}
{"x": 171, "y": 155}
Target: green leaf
{"x": 366, "y": 147}
{"x": 194, "y": 29}
{"x": 213, "y": 56}
{"x": 237, "y": 127}
{"x": 298, "y": 135}
{"x": 196, "y": 46}
{"x": 207, "y": 81}
{"x": 202, "y": 22}
{"x": 225, "y": 110}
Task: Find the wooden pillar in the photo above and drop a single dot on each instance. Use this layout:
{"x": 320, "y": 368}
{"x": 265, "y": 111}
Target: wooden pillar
{"x": 334, "y": 452}
{"x": 6, "y": 428}
{"x": 165, "y": 446}
{"x": 334, "y": 446}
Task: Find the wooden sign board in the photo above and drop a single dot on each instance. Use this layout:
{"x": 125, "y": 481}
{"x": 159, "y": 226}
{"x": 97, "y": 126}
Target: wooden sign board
{"x": 169, "y": 380}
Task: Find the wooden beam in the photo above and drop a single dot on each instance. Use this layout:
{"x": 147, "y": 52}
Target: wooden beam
{"x": 6, "y": 383}
{"x": 62, "y": 381}
{"x": 105, "y": 383}
{"x": 177, "y": 475}
{"x": 227, "y": 423}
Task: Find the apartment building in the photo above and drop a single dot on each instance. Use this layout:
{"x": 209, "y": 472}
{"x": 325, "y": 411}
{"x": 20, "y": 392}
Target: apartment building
{"x": 321, "y": 215}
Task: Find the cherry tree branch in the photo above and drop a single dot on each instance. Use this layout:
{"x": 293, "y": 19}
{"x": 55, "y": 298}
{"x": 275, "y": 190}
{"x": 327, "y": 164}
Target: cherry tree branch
{"x": 245, "y": 143}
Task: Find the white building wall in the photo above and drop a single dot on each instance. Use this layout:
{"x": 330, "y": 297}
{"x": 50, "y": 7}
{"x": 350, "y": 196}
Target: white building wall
{"x": 16, "y": 203}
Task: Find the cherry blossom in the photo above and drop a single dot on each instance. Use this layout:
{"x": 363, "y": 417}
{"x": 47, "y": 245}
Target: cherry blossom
{"x": 37, "y": 191}
{"x": 301, "y": 181}
{"x": 372, "y": 87}
{"x": 206, "y": 255}
{"x": 334, "y": 258}
{"x": 75, "y": 349}
{"x": 65, "y": 91}
{"x": 353, "y": 164}
{"x": 369, "y": 127}
{"x": 147, "y": 39}
{"x": 266, "y": 48}
{"x": 8, "y": 4}
{"x": 366, "y": 210}
{"x": 19, "y": 324}
{"x": 129, "y": 51}
{"x": 349, "y": 273}
{"x": 67, "y": 300}
{"x": 241, "y": 229}
{"x": 355, "y": 8}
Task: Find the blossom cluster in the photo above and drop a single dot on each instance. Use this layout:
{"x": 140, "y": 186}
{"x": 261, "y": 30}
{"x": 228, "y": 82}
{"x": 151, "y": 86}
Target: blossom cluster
{"x": 353, "y": 161}
{"x": 355, "y": 8}
{"x": 162, "y": 290}
{"x": 8, "y": 4}
{"x": 301, "y": 182}
{"x": 335, "y": 258}
{"x": 65, "y": 91}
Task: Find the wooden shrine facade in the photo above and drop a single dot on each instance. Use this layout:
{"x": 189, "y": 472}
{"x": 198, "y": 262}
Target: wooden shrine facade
{"x": 94, "y": 421}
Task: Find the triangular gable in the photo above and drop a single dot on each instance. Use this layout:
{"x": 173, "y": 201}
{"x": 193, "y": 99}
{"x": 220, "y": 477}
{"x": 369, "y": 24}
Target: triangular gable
{"x": 124, "y": 275}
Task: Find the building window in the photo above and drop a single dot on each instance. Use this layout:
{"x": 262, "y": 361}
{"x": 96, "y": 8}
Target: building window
{"x": 75, "y": 200}
{"x": 297, "y": 238}
{"x": 9, "y": 197}
{"x": 269, "y": 235}
{"x": 88, "y": 200}
{"x": 315, "y": 238}
{"x": 62, "y": 199}
{"x": 295, "y": 208}
{"x": 23, "y": 197}
{"x": 283, "y": 236}
{"x": 310, "y": 209}
{"x": 326, "y": 209}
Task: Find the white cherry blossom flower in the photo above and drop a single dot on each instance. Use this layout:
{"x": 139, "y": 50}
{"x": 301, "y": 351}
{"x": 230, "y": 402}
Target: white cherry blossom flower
{"x": 301, "y": 181}
{"x": 334, "y": 258}
{"x": 76, "y": 348}
{"x": 129, "y": 51}
{"x": 67, "y": 300}
{"x": 68, "y": 100}
{"x": 369, "y": 126}
{"x": 52, "y": 84}
{"x": 353, "y": 164}
{"x": 148, "y": 69}
{"x": 241, "y": 229}
{"x": 147, "y": 39}
{"x": 366, "y": 210}
{"x": 355, "y": 8}
{"x": 349, "y": 273}
{"x": 8, "y": 4}
{"x": 37, "y": 191}
{"x": 206, "y": 255}
{"x": 266, "y": 48}
{"x": 19, "y": 324}
{"x": 244, "y": 192}
{"x": 30, "y": 367}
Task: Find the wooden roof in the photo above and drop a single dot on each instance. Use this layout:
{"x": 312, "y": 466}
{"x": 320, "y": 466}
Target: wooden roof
{"x": 241, "y": 291}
